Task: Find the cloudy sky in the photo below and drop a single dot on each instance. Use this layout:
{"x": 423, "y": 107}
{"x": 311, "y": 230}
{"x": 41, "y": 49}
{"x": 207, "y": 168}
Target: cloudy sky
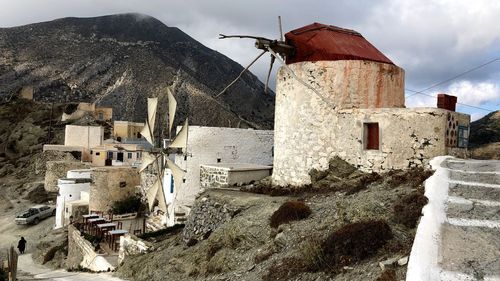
{"x": 432, "y": 40}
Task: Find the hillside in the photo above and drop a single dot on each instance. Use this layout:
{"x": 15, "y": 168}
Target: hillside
{"x": 351, "y": 221}
{"x": 484, "y": 138}
{"x": 485, "y": 130}
{"x": 120, "y": 60}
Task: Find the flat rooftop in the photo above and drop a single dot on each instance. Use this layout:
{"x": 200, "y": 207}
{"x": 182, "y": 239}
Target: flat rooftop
{"x": 239, "y": 166}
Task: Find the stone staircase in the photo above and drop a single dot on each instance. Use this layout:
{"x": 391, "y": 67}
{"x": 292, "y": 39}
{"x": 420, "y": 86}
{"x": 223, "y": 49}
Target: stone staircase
{"x": 470, "y": 236}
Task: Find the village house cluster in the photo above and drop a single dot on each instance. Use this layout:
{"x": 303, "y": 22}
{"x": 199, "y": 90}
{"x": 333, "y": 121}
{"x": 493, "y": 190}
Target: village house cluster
{"x": 353, "y": 106}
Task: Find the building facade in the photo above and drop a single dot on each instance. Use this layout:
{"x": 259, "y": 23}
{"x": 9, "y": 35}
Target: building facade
{"x": 356, "y": 110}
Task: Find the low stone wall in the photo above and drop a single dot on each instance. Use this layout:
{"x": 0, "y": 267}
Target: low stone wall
{"x": 132, "y": 245}
{"x": 81, "y": 253}
{"x": 208, "y": 213}
{"x": 57, "y": 170}
{"x": 213, "y": 176}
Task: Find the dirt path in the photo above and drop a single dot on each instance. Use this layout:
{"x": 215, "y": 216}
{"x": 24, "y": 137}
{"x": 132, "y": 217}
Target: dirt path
{"x": 10, "y": 232}
{"x": 32, "y": 271}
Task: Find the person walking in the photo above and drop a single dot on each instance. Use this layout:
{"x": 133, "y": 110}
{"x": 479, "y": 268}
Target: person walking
{"x": 21, "y": 245}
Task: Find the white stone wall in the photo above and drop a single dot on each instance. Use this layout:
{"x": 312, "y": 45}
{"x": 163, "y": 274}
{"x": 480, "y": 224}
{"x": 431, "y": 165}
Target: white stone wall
{"x": 310, "y": 131}
{"x": 84, "y": 136}
{"x": 346, "y": 84}
{"x": 131, "y": 245}
{"x": 210, "y": 145}
{"x": 408, "y": 138}
{"x": 81, "y": 252}
{"x": 69, "y": 191}
{"x": 213, "y": 176}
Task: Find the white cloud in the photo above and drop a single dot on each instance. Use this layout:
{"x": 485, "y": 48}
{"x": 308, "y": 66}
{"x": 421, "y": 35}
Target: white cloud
{"x": 467, "y": 92}
{"x": 475, "y": 94}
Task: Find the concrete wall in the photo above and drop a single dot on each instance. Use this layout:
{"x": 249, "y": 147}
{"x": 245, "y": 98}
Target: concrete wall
{"x": 110, "y": 184}
{"x": 407, "y": 138}
{"x": 131, "y": 156}
{"x": 81, "y": 253}
{"x": 69, "y": 190}
{"x": 345, "y": 83}
{"x": 126, "y": 129}
{"x": 103, "y": 113}
{"x": 75, "y": 211}
{"x": 58, "y": 169}
{"x": 225, "y": 176}
{"x": 209, "y": 145}
{"x": 84, "y": 136}
{"x": 131, "y": 245}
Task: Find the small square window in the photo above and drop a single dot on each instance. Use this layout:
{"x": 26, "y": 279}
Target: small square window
{"x": 219, "y": 160}
{"x": 129, "y": 155}
{"x": 371, "y": 136}
{"x": 123, "y": 184}
{"x": 97, "y": 153}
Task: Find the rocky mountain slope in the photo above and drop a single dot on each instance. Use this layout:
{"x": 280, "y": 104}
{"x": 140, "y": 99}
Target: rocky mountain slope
{"x": 485, "y": 130}
{"x": 484, "y": 138}
{"x": 120, "y": 60}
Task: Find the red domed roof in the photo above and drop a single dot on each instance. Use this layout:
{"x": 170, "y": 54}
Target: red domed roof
{"x": 319, "y": 42}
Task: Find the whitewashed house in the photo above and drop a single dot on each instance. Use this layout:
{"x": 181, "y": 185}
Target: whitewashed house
{"x": 211, "y": 146}
{"x": 70, "y": 190}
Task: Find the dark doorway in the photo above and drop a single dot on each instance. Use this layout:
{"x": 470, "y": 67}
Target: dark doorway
{"x": 119, "y": 156}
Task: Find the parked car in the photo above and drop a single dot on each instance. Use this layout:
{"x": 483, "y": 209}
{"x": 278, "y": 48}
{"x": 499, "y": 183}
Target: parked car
{"x": 35, "y": 214}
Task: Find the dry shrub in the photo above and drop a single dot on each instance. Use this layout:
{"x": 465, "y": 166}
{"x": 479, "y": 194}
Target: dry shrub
{"x": 408, "y": 209}
{"x": 290, "y": 211}
{"x": 414, "y": 177}
{"x": 355, "y": 242}
{"x": 387, "y": 275}
{"x": 349, "y": 244}
{"x": 272, "y": 190}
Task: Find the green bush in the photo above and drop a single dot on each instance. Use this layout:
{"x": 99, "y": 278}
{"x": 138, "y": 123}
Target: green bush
{"x": 130, "y": 204}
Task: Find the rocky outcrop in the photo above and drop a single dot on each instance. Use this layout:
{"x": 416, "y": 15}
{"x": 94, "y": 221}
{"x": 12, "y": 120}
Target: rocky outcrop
{"x": 206, "y": 216}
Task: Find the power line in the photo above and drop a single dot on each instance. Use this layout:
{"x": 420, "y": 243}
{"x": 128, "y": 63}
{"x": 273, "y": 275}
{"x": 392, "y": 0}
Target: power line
{"x": 421, "y": 92}
{"x": 461, "y": 74}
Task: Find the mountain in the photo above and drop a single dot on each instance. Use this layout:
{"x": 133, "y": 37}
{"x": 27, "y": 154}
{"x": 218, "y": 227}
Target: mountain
{"x": 485, "y": 130}
{"x": 120, "y": 60}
